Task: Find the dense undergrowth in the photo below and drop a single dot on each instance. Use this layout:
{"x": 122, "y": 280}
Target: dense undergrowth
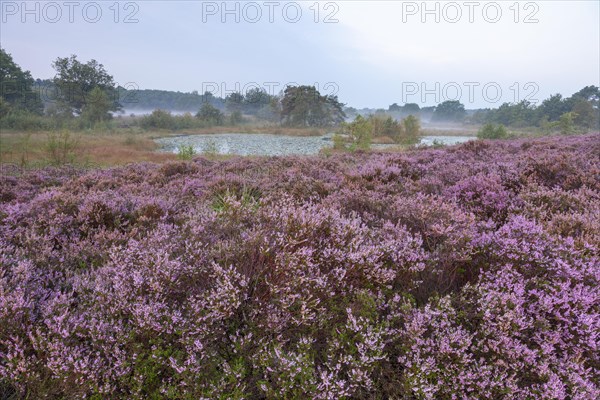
{"x": 467, "y": 272}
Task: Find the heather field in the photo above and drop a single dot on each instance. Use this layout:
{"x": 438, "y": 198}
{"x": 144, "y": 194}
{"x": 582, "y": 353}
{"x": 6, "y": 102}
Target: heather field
{"x": 464, "y": 272}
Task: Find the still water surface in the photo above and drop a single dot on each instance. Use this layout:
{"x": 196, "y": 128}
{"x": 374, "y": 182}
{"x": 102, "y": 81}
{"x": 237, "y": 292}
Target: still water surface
{"x": 272, "y": 145}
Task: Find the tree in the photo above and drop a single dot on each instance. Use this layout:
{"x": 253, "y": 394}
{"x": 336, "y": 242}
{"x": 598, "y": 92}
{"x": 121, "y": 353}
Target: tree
{"x": 335, "y": 110}
{"x": 207, "y": 97}
{"x": 394, "y": 108}
{"x": 520, "y": 114}
{"x": 585, "y": 104}
{"x": 411, "y": 108}
{"x": 412, "y": 130}
{"x": 360, "y": 132}
{"x": 305, "y": 106}
{"x": 4, "y": 107}
{"x": 75, "y": 81}
{"x": 146, "y": 99}
{"x": 350, "y": 111}
{"x": 300, "y": 105}
{"x": 16, "y": 87}
{"x": 234, "y": 102}
{"x": 590, "y": 94}
{"x": 566, "y": 123}
{"x": 272, "y": 111}
{"x": 450, "y": 110}
{"x": 210, "y": 114}
{"x": 553, "y": 107}
{"x": 586, "y": 115}
{"x": 97, "y": 106}
{"x": 255, "y": 100}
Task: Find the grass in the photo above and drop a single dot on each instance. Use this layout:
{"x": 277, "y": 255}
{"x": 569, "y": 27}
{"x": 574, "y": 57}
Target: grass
{"x": 121, "y": 146}
{"x": 126, "y": 145}
{"x": 463, "y": 131}
{"x": 96, "y": 149}
{"x": 383, "y": 140}
{"x": 116, "y": 147}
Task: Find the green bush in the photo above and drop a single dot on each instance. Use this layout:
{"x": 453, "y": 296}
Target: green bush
{"x": 159, "y": 119}
{"x": 185, "y": 121}
{"x": 360, "y": 132}
{"x": 210, "y": 114}
{"x": 338, "y": 142}
{"x": 26, "y": 121}
{"x": 566, "y": 123}
{"x": 62, "y": 148}
{"x": 186, "y": 152}
{"x": 491, "y": 131}
{"x": 382, "y": 126}
{"x": 412, "y": 130}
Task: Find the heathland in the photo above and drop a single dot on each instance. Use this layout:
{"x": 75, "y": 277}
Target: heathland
{"x": 429, "y": 273}
{"x": 466, "y": 271}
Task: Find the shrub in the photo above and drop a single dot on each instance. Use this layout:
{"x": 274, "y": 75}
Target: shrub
{"x": 185, "y": 121}
{"x": 469, "y": 271}
{"x": 339, "y": 143}
{"x": 491, "y": 131}
{"x": 25, "y": 121}
{"x": 186, "y": 152}
{"x": 210, "y": 115}
{"x": 385, "y": 126}
{"x": 159, "y": 119}
{"x": 62, "y": 147}
{"x": 566, "y": 123}
{"x": 360, "y": 132}
{"x": 412, "y": 130}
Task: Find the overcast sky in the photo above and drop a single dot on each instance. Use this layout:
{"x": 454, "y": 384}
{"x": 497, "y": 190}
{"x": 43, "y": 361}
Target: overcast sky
{"x": 369, "y": 53}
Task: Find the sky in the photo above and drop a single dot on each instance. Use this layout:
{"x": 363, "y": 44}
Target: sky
{"x": 368, "y": 53}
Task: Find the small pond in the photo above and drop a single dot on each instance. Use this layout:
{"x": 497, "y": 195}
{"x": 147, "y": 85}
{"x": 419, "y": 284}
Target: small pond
{"x": 244, "y": 144}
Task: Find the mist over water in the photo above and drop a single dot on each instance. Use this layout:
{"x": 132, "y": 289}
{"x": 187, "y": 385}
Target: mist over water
{"x": 141, "y": 112}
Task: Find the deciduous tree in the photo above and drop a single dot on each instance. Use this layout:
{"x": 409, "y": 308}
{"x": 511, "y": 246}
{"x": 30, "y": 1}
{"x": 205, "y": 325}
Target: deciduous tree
{"x": 75, "y": 81}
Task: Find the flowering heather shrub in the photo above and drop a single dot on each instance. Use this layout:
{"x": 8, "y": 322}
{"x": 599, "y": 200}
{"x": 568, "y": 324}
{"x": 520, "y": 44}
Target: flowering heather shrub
{"x": 468, "y": 272}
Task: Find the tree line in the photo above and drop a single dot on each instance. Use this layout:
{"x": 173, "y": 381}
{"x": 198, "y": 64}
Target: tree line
{"x": 582, "y": 108}
{"x": 84, "y": 94}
